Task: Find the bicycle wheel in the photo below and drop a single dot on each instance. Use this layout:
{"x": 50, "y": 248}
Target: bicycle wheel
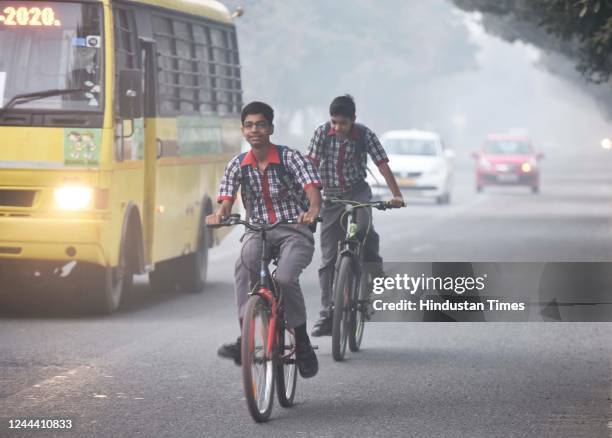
{"x": 360, "y": 314}
{"x": 257, "y": 359}
{"x": 286, "y": 369}
{"x": 342, "y": 303}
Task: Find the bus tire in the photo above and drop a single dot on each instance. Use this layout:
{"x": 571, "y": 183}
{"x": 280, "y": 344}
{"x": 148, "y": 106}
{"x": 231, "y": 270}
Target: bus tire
{"x": 105, "y": 286}
{"x": 193, "y": 268}
{"x": 163, "y": 279}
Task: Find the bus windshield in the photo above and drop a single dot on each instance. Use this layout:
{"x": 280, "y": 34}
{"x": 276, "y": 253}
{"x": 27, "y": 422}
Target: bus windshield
{"x": 51, "y": 46}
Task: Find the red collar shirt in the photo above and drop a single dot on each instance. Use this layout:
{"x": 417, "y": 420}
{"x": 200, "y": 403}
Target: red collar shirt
{"x": 266, "y": 198}
{"x": 339, "y": 161}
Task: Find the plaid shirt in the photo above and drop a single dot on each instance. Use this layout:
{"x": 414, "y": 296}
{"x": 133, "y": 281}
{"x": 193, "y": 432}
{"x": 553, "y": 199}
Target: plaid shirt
{"x": 269, "y": 200}
{"x": 339, "y": 161}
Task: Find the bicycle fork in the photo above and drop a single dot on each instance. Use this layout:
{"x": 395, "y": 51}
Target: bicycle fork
{"x": 266, "y": 294}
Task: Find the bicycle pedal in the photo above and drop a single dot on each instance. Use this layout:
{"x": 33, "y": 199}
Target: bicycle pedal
{"x": 314, "y": 347}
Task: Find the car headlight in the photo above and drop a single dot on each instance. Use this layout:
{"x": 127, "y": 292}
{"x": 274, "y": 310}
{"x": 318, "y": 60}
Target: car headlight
{"x": 485, "y": 164}
{"x": 528, "y": 166}
{"x": 73, "y": 197}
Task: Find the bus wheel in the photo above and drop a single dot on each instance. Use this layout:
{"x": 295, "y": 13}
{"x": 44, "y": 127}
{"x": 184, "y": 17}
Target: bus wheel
{"x": 106, "y": 286}
{"x": 193, "y": 268}
{"x": 163, "y": 279}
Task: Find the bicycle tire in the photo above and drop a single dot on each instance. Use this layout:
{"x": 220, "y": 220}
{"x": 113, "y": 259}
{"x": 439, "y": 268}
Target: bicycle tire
{"x": 257, "y": 366}
{"x": 341, "y": 321}
{"x": 360, "y": 314}
{"x": 286, "y": 368}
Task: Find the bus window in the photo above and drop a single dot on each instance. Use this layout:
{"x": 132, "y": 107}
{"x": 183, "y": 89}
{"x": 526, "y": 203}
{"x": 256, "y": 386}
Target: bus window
{"x": 125, "y": 44}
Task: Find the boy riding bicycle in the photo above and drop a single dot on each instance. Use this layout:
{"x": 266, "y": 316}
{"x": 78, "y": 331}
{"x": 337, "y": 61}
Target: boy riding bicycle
{"x": 276, "y": 183}
{"x": 339, "y": 149}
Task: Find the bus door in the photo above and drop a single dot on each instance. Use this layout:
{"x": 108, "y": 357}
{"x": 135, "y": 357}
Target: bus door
{"x": 152, "y": 145}
{"x": 163, "y": 215}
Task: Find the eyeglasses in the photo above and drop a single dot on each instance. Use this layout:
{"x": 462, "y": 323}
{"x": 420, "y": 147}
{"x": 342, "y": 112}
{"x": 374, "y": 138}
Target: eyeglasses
{"x": 257, "y": 125}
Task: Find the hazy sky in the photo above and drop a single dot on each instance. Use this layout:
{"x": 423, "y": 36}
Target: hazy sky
{"x": 510, "y": 90}
{"x": 500, "y": 87}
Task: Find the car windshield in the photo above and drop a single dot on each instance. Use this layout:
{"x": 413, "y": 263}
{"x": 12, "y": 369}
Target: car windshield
{"x": 507, "y": 147}
{"x": 51, "y": 46}
{"x": 410, "y": 146}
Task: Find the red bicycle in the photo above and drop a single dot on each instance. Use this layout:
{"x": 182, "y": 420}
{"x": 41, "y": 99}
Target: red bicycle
{"x": 268, "y": 345}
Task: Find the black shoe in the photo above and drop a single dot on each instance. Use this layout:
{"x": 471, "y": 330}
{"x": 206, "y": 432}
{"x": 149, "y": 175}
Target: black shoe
{"x": 231, "y": 351}
{"x": 306, "y": 359}
{"x": 323, "y": 327}
{"x": 366, "y": 308}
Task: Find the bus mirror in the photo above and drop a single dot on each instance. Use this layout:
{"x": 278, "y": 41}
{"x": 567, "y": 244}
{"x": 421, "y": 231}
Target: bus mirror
{"x": 130, "y": 94}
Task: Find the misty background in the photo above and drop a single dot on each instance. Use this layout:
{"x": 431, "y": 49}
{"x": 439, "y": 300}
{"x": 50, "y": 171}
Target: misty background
{"x": 416, "y": 65}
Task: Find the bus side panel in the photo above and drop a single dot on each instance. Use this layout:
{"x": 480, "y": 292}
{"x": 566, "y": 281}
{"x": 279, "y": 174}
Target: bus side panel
{"x": 195, "y": 77}
{"x": 194, "y": 157}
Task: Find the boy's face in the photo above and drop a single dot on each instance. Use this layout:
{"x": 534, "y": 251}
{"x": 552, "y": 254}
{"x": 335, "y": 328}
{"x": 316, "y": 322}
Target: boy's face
{"x": 342, "y": 125}
{"x": 256, "y": 130}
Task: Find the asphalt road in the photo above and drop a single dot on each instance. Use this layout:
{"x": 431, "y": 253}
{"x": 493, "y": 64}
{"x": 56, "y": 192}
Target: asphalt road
{"x": 151, "y": 369}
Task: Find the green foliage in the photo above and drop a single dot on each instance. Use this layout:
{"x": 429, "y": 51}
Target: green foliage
{"x": 583, "y": 26}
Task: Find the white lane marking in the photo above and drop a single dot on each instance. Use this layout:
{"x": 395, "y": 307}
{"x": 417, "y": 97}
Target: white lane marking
{"x": 48, "y": 388}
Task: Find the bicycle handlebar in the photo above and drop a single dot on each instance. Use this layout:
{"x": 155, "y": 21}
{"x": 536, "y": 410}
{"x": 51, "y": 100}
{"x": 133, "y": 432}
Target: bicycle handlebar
{"x": 234, "y": 219}
{"x": 379, "y": 205}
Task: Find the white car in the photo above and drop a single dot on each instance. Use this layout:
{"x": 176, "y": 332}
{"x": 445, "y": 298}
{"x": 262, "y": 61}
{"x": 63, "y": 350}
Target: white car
{"x": 421, "y": 165}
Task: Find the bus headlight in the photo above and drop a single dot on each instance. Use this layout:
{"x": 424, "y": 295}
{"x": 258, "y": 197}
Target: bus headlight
{"x": 73, "y": 197}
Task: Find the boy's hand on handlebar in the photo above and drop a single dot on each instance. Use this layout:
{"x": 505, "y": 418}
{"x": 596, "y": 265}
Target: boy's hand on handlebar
{"x": 397, "y": 202}
{"x": 214, "y": 219}
{"x": 309, "y": 217}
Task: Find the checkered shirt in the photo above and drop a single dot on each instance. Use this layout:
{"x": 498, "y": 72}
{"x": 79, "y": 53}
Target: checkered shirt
{"x": 268, "y": 199}
{"x": 339, "y": 161}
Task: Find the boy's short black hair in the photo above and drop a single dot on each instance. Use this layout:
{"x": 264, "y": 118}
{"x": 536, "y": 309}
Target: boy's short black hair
{"x": 343, "y": 106}
{"x": 258, "y": 108}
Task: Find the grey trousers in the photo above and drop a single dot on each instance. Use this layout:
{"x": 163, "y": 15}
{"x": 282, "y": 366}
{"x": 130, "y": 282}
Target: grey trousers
{"x": 332, "y": 233}
{"x": 296, "y": 246}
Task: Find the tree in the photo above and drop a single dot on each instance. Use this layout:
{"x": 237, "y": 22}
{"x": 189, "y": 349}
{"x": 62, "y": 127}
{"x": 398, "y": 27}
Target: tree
{"x": 300, "y": 54}
{"x": 582, "y": 28}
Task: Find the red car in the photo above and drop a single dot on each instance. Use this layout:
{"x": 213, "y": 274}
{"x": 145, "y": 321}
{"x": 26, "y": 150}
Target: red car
{"x": 508, "y": 160}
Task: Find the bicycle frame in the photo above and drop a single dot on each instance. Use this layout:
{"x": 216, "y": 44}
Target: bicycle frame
{"x": 351, "y": 245}
{"x": 350, "y": 309}
{"x": 265, "y": 303}
{"x": 267, "y": 288}
{"x": 268, "y": 292}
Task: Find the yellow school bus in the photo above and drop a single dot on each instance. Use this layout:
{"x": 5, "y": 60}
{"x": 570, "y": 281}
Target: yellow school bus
{"x": 116, "y": 121}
